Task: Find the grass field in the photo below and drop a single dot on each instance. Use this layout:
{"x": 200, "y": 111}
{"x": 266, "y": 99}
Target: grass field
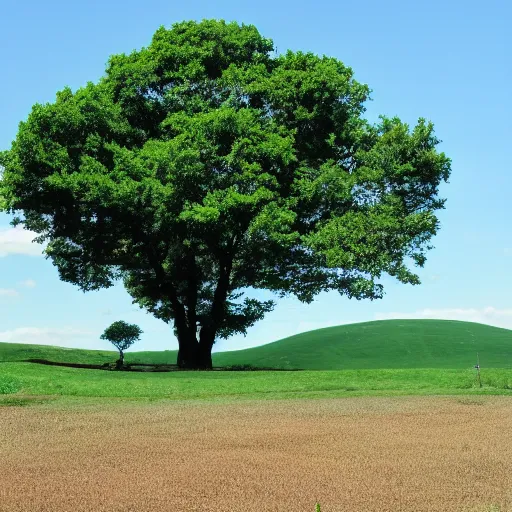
{"x": 377, "y": 358}
{"x": 382, "y": 344}
{"x": 28, "y": 380}
{"x": 39, "y": 380}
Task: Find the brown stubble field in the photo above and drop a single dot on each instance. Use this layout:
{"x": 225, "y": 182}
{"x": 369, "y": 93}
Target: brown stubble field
{"x": 352, "y": 454}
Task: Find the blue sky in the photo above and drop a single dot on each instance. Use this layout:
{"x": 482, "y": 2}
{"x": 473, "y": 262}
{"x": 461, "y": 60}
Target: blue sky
{"x": 446, "y": 61}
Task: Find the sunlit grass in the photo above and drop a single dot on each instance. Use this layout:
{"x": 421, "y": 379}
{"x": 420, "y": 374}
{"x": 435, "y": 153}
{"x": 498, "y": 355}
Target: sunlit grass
{"x": 39, "y": 380}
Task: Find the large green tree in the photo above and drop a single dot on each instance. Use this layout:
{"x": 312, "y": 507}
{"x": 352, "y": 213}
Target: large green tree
{"x": 206, "y": 166}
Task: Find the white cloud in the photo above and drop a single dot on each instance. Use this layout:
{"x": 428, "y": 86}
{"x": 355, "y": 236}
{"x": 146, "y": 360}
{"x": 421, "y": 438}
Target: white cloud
{"x": 489, "y": 315}
{"x": 28, "y": 283}
{"x": 19, "y": 241}
{"x": 71, "y": 337}
{"x": 8, "y": 292}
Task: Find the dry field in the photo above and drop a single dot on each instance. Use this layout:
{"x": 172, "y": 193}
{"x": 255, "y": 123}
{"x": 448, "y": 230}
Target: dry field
{"x": 353, "y": 454}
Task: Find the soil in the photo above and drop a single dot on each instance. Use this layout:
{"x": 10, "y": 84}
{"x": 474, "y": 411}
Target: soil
{"x": 352, "y": 454}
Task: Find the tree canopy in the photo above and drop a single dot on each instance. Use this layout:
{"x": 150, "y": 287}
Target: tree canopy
{"x": 122, "y": 335}
{"x": 205, "y": 166}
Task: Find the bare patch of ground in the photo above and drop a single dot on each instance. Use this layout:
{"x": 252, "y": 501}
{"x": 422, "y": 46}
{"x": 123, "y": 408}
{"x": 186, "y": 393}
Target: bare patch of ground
{"x": 352, "y": 454}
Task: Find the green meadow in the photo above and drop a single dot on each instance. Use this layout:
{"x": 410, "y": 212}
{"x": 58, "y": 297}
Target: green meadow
{"x": 391, "y": 344}
{"x": 391, "y": 357}
{"x": 34, "y": 380}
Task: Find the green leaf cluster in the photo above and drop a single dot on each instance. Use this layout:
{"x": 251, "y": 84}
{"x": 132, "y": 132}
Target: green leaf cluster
{"x": 122, "y": 335}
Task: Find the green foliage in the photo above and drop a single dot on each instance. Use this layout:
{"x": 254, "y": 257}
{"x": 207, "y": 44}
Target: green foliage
{"x": 122, "y": 335}
{"x": 204, "y": 166}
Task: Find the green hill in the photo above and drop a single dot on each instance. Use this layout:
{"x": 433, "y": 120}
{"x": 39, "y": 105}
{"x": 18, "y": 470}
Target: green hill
{"x": 381, "y": 344}
{"x": 385, "y": 344}
{"x": 20, "y": 352}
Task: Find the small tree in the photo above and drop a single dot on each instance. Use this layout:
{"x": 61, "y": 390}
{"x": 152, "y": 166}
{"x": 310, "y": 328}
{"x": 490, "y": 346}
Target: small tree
{"x": 122, "y": 335}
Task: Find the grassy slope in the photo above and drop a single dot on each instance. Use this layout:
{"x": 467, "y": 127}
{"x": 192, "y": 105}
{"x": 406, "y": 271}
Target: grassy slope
{"x": 389, "y": 344}
{"x": 20, "y": 352}
{"x": 385, "y": 344}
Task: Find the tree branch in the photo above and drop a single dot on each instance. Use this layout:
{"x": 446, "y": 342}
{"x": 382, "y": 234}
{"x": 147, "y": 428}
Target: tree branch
{"x": 165, "y": 285}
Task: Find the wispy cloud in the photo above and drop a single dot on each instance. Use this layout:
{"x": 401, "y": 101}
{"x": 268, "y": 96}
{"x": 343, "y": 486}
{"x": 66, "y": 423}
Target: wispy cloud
{"x": 18, "y": 241}
{"x": 489, "y": 315}
{"x": 71, "y": 337}
{"x": 28, "y": 283}
{"x": 8, "y": 292}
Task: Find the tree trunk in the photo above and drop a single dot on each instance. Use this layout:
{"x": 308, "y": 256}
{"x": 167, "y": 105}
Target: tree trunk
{"x": 204, "y": 357}
{"x": 206, "y": 339}
{"x": 187, "y": 353}
{"x": 194, "y": 355}
{"x": 120, "y": 361}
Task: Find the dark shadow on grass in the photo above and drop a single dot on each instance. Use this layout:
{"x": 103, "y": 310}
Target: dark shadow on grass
{"x": 148, "y": 367}
{"x": 23, "y": 401}
{"x": 57, "y": 363}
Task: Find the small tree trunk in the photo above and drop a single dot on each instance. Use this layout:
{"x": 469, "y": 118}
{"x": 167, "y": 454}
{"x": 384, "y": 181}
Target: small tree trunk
{"x": 120, "y": 361}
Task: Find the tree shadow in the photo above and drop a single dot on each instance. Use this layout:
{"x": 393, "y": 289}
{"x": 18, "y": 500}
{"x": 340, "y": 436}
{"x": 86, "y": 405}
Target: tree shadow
{"x": 134, "y": 367}
{"x": 151, "y": 367}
